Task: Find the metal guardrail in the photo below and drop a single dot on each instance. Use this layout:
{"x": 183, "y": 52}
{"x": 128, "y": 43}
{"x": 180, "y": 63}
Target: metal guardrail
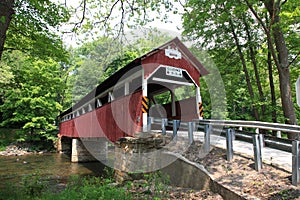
{"x": 257, "y": 139}
{"x": 239, "y": 123}
{"x": 253, "y": 124}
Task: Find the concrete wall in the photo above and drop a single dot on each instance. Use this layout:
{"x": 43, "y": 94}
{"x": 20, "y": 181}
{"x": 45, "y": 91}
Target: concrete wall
{"x": 184, "y": 173}
{"x": 64, "y": 145}
{"x": 187, "y": 174}
{"x": 89, "y": 149}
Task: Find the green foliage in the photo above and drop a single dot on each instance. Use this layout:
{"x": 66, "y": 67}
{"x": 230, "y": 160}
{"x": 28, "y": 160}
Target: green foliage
{"x": 118, "y": 63}
{"x": 112, "y": 18}
{"x": 7, "y": 136}
{"x": 34, "y": 186}
{"x": 94, "y": 62}
{"x": 88, "y": 63}
{"x": 90, "y": 188}
{"x": 6, "y": 76}
{"x": 146, "y": 40}
{"x": 214, "y": 96}
{"x": 33, "y": 29}
{"x": 159, "y": 182}
{"x": 213, "y": 24}
{"x": 163, "y": 98}
{"x": 2, "y": 19}
{"x": 31, "y": 101}
{"x": 184, "y": 92}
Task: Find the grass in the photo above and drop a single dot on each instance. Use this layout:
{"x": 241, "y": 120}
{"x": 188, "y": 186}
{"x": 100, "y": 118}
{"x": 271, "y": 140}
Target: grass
{"x": 37, "y": 187}
{"x": 78, "y": 188}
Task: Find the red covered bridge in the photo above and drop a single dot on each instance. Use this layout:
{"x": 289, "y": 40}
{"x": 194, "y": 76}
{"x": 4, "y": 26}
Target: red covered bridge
{"x": 163, "y": 83}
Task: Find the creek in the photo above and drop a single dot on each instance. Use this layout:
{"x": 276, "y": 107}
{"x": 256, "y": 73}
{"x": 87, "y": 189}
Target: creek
{"x": 53, "y": 166}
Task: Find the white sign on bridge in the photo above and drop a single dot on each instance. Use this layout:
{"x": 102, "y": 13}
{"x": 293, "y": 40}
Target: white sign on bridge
{"x": 173, "y": 71}
{"x": 298, "y": 91}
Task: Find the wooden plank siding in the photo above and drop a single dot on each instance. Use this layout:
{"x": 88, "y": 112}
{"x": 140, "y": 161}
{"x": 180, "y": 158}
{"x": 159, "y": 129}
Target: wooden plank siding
{"x": 113, "y": 120}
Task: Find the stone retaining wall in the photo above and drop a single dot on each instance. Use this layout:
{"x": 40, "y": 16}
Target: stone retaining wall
{"x": 136, "y": 155}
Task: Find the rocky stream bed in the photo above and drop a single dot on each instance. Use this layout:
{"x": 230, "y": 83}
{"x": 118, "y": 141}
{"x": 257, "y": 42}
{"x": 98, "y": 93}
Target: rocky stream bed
{"x": 238, "y": 175}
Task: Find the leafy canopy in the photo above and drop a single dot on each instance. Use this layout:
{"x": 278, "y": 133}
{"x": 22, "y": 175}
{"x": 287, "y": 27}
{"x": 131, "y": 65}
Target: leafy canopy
{"x": 31, "y": 101}
{"x": 34, "y": 29}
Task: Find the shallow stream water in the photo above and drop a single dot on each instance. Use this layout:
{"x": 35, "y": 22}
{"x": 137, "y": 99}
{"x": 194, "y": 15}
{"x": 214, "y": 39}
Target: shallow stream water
{"x": 54, "y": 166}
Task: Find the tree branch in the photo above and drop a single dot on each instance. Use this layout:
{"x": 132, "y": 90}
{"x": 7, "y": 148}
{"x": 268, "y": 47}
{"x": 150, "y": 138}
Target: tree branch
{"x": 283, "y": 2}
{"x": 78, "y": 24}
{"x": 110, "y": 12}
{"x": 294, "y": 59}
{"x": 121, "y": 29}
{"x": 267, "y": 31}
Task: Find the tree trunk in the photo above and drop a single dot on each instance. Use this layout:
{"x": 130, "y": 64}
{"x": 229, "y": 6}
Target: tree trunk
{"x": 250, "y": 89}
{"x": 6, "y": 12}
{"x": 272, "y": 88}
{"x": 283, "y": 64}
{"x": 257, "y": 77}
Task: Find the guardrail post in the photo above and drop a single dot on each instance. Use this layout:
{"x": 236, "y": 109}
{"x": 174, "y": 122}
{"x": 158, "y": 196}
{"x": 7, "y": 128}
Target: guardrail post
{"x": 261, "y": 142}
{"x": 207, "y": 132}
{"x": 278, "y": 134}
{"x": 229, "y": 145}
{"x": 257, "y": 146}
{"x": 164, "y": 122}
{"x": 150, "y": 121}
{"x": 176, "y": 124}
{"x": 295, "y": 163}
{"x": 191, "y": 126}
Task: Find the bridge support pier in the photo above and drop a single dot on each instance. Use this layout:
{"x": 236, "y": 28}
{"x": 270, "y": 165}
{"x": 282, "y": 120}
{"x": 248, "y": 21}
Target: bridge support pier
{"x": 89, "y": 149}
{"x": 64, "y": 144}
{"x": 137, "y": 155}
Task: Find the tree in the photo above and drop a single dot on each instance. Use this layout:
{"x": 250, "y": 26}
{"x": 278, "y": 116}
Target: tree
{"x": 31, "y": 26}
{"x": 31, "y": 101}
{"x": 95, "y": 61}
{"x": 212, "y": 22}
{"x": 88, "y": 63}
{"x": 6, "y": 12}
{"x": 113, "y": 17}
{"x": 275, "y": 36}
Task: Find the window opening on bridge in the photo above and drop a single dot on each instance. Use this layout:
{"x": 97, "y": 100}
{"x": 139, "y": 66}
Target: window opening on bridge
{"x": 110, "y": 97}
{"x": 184, "y": 92}
{"x": 99, "y": 103}
{"x": 135, "y": 85}
{"x": 119, "y": 92}
{"x": 104, "y": 99}
{"x": 163, "y": 98}
{"x": 90, "y": 108}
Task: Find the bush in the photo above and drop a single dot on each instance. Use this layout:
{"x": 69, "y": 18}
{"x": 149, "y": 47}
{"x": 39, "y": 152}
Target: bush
{"x": 7, "y": 136}
{"x": 90, "y": 188}
{"x": 36, "y": 187}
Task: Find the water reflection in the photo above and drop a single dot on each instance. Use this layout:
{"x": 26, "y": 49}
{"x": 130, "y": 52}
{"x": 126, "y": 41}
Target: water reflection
{"x": 53, "y": 165}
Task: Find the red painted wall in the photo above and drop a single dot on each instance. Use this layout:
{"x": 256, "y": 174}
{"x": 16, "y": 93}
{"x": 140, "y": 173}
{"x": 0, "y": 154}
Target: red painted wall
{"x": 152, "y": 62}
{"x": 113, "y": 120}
{"x": 186, "y": 110}
{"x": 66, "y": 128}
